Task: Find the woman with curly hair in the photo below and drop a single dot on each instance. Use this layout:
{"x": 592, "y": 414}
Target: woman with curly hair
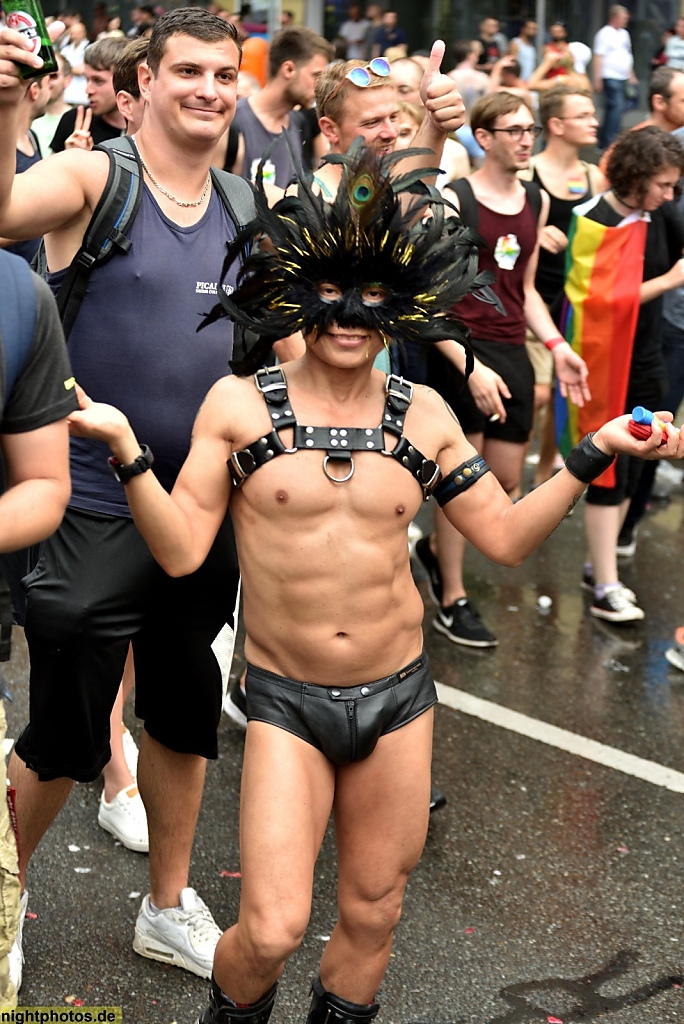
{"x": 614, "y": 321}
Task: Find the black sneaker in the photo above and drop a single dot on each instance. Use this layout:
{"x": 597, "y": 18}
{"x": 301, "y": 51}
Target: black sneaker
{"x": 431, "y": 566}
{"x": 437, "y": 799}
{"x": 617, "y": 605}
{"x": 235, "y": 704}
{"x": 462, "y": 624}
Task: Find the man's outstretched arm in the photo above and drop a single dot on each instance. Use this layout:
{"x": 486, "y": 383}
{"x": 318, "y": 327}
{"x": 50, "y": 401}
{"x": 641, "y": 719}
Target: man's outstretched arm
{"x": 508, "y": 532}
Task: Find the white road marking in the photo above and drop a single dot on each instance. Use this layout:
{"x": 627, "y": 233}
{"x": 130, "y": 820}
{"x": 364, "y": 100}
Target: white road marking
{"x": 570, "y": 742}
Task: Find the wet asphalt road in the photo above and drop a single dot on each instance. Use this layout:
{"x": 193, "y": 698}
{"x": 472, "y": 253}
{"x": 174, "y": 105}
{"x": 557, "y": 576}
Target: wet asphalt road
{"x": 551, "y": 885}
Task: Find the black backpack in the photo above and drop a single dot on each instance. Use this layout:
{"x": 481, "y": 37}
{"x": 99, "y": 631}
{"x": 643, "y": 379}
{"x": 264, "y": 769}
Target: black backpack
{"x": 109, "y": 227}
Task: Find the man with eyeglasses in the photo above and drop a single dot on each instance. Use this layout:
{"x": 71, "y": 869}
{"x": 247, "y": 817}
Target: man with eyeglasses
{"x": 509, "y": 216}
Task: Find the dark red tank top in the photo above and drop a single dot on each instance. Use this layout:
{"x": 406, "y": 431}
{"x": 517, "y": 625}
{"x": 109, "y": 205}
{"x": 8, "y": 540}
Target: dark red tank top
{"x": 509, "y": 243}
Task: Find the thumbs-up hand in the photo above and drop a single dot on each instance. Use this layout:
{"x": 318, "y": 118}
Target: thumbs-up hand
{"x": 440, "y": 95}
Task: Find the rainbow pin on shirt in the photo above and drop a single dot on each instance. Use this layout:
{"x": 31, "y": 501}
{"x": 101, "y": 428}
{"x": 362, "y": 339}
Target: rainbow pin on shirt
{"x": 577, "y": 186}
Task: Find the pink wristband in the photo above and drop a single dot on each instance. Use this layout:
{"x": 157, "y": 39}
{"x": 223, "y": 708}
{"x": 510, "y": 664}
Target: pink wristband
{"x": 552, "y": 342}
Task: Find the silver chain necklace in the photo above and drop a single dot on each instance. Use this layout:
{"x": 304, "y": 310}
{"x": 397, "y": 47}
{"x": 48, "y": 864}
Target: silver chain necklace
{"x": 164, "y": 192}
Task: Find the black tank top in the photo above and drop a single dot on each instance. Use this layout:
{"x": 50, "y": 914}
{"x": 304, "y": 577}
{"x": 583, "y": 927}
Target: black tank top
{"x": 551, "y": 265}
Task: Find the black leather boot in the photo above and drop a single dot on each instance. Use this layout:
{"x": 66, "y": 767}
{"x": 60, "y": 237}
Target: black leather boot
{"x": 327, "y": 1008}
{"x": 220, "y": 1011}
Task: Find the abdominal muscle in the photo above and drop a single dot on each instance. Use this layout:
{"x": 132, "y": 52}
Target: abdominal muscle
{"x": 329, "y": 601}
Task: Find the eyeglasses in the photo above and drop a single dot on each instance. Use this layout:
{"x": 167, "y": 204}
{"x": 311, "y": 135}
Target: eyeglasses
{"x": 516, "y": 131}
{"x": 361, "y": 76}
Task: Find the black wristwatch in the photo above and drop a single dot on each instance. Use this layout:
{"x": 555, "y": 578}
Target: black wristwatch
{"x": 124, "y": 473}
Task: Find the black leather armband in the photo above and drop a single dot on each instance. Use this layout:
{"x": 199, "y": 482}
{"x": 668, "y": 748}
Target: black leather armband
{"x": 460, "y": 479}
{"x": 586, "y": 461}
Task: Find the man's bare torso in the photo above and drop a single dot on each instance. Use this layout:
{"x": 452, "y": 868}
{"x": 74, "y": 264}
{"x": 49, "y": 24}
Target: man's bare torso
{"x": 328, "y": 592}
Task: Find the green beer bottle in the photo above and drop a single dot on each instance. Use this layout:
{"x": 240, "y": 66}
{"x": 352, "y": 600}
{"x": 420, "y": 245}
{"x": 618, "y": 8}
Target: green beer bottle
{"x": 26, "y": 16}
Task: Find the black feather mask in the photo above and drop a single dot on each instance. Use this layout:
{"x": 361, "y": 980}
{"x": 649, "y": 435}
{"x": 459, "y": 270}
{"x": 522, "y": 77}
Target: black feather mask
{"x": 392, "y": 268}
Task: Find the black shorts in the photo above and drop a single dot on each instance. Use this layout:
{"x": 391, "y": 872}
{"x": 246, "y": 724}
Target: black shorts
{"x": 649, "y": 393}
{"x": 513, "y": 364}
{"x": 94, "y": 589}
{"x": 343, "y": 722}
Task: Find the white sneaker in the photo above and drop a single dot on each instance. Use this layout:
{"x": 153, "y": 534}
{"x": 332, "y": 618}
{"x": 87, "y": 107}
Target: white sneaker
{"x": 15, "y": 957}
{"x": 124, "y": 817}
{"x": 130, "y": 750}
{"x": 185, "y": 936}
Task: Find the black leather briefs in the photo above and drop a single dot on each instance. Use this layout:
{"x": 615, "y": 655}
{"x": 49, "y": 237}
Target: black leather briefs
{"x": 343, "y": 722}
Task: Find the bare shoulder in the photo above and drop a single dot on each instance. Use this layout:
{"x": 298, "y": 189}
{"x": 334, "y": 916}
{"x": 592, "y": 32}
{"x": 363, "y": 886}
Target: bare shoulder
{"x": 232, "y": 407}
{"x": 433, "y": 409}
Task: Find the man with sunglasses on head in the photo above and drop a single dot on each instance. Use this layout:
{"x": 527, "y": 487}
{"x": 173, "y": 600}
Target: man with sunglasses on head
{"x": 509, "y": 215}
{"x": 355, "y": 99}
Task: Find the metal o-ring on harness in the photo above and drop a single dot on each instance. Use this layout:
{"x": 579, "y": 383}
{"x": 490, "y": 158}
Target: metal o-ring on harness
{"x": 338, "y": 479}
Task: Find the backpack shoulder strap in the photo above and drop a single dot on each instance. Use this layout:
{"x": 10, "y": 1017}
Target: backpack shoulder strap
{"x": 533, "y": 197}
{"x": 236, "y": 195}
{"x": 466, "y": 202}
{"x": 17, "y": 316}
{"x": 106, "y": 233}
{"x": 232, "y": 144}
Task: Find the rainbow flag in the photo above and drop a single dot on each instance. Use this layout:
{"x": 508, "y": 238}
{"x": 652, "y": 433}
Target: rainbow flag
{"x": 603, "y": 274}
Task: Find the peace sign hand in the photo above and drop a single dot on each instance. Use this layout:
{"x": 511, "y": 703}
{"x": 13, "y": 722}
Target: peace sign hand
{"x": 81, "y": 138}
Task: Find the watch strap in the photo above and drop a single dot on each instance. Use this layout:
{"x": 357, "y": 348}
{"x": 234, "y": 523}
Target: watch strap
{"x": 124, "y": 473}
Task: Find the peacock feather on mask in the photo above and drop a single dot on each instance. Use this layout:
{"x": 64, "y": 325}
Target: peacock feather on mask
{"x": 396, "y": 262}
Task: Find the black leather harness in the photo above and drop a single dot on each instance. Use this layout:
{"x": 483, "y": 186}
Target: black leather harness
{"x": 337, "y": 442}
